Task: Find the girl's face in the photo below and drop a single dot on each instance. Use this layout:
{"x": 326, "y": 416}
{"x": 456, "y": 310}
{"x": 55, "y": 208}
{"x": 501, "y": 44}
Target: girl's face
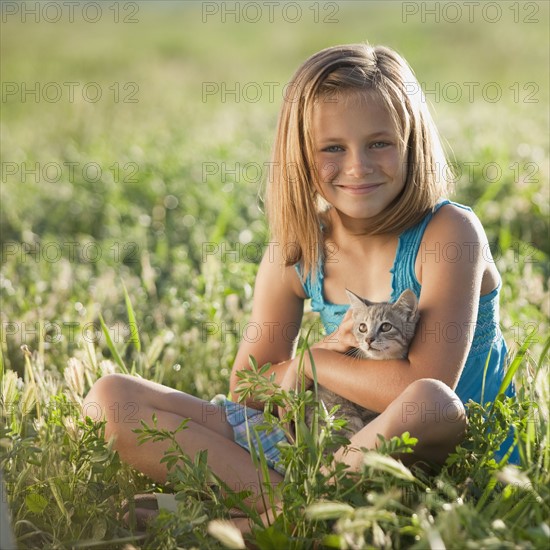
{"x": 357, "y": 155}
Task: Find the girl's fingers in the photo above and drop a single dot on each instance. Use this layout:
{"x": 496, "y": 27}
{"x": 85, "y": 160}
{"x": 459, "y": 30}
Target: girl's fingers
{"x": 342, "y": 339}
{"x": 345, "y": 330}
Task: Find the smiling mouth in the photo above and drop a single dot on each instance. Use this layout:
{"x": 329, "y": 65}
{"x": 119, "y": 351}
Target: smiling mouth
{"x": 360, "y": 189}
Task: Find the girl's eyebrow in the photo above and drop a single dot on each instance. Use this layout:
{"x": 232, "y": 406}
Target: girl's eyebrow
{"x": 373, "y": 135}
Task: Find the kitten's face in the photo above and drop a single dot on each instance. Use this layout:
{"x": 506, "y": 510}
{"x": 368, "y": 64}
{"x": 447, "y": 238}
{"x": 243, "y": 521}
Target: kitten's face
{"x": 384, "y": 330}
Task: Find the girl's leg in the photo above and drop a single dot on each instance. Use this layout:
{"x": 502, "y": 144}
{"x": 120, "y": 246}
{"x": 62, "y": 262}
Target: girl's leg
{"x": 429, "y": 410}
{"x": 125, "y": 400}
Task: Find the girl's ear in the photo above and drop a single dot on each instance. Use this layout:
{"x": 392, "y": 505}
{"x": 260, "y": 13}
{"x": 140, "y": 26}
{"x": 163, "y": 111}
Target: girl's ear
{"x": 407, "y": 302}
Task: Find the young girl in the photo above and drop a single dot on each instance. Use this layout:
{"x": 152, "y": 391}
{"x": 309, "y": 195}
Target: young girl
{"x": 355, "y": 200}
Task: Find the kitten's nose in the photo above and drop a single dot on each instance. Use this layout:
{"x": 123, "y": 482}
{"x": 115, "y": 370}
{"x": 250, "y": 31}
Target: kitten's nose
{"x": 368, "y": 341}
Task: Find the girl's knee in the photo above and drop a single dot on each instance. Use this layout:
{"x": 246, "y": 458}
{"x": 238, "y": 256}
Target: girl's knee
{"x": 103, "y": 398}
{"x": 106, "y": 389}
{"x": 428, "y": 388}
{"x": 432, "y": 412}
{"x": 432, "y": 403}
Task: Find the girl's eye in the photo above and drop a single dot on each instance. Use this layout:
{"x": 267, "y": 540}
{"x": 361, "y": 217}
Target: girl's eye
{"x": 363, "y": 327}
{"x": 385, "y": 327}
{"x": 332, "y": 149}
{"x": 379, "y": 145}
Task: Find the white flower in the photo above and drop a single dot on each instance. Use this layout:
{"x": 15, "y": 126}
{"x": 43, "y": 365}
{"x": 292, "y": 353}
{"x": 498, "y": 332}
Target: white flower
{"x": 227, "y": 533}
{"x": 28, "y": 400}
{"x": 107, "y": 367}
{"x": 74, "y": 376}
{"x": 510, "y": 475}
{"x": 8, "y": 391}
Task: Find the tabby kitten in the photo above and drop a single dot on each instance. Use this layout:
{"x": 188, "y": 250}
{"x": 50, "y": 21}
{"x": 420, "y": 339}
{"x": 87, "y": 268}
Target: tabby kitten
{"x": 383, "y": 331}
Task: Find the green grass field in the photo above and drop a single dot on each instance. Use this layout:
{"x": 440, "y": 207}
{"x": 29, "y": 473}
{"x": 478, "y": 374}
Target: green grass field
{"x": 133, "y": 141}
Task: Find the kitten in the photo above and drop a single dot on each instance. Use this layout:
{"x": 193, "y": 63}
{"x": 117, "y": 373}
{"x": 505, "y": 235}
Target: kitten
{"x": 383, "y": 331}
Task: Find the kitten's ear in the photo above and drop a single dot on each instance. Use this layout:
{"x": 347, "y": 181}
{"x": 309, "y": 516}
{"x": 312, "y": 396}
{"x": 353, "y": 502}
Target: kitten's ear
{"x": 355, "y": 301}
{"x": 407, "y": 302}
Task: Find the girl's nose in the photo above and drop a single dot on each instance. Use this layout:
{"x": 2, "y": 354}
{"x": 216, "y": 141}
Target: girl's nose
{"x": 359, "y": 165}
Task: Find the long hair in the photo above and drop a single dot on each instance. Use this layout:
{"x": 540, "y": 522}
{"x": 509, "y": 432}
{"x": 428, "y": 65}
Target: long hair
{"x": 294, "y": 203}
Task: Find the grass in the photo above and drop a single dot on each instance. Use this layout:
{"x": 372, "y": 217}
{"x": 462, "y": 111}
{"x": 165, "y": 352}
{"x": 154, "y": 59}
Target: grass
{"x": 149, "y": 269}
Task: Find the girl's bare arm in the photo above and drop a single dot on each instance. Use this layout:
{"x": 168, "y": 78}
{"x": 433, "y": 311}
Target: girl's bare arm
{"x": 275, "y": 321}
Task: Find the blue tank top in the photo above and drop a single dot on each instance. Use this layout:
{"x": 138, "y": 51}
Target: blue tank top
{"x": 488, "y": 343}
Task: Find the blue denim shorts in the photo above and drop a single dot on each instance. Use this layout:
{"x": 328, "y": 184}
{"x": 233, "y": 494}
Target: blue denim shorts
{"x": 250, "y": 426}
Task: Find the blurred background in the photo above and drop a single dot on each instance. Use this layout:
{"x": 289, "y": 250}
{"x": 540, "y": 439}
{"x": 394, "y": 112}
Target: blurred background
{"x": 134, "y": 137}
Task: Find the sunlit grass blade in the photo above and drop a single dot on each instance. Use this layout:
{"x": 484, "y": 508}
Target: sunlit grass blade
{"x": 101, "y": 544}
{"x": 58, "y": 498}
{"x": 41, "y": 339}
{"x": 1, "y": 364}
{"x": 312, "y": 362}
{"x": 544, "y": 353}
{"x": 30, "y": 375}
{"x": 134, "y": 332}
{"x": 111, "y": 346}
{"x": 328, "y": 510}
{"x": 488, "y": 490}
{"x": 90, "y": 353}
{"x": 263, "y": 476}
{"x": 9, "y": 393}
{"x": 387, "y": 464}
{"x": 485, "y": 375}
{"x": 514, "y": 366}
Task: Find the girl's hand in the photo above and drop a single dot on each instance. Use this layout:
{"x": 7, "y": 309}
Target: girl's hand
{"x": 342, "y": 339}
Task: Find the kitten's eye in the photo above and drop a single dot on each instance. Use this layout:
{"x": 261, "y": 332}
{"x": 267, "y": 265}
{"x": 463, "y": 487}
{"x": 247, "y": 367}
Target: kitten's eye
{"x": 385, "y": 327}
{"x": 363, "y": 327}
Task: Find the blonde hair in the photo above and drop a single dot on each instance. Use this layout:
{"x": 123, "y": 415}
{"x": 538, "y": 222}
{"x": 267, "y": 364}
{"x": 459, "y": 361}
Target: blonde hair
{"x": 294, "y": 204}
